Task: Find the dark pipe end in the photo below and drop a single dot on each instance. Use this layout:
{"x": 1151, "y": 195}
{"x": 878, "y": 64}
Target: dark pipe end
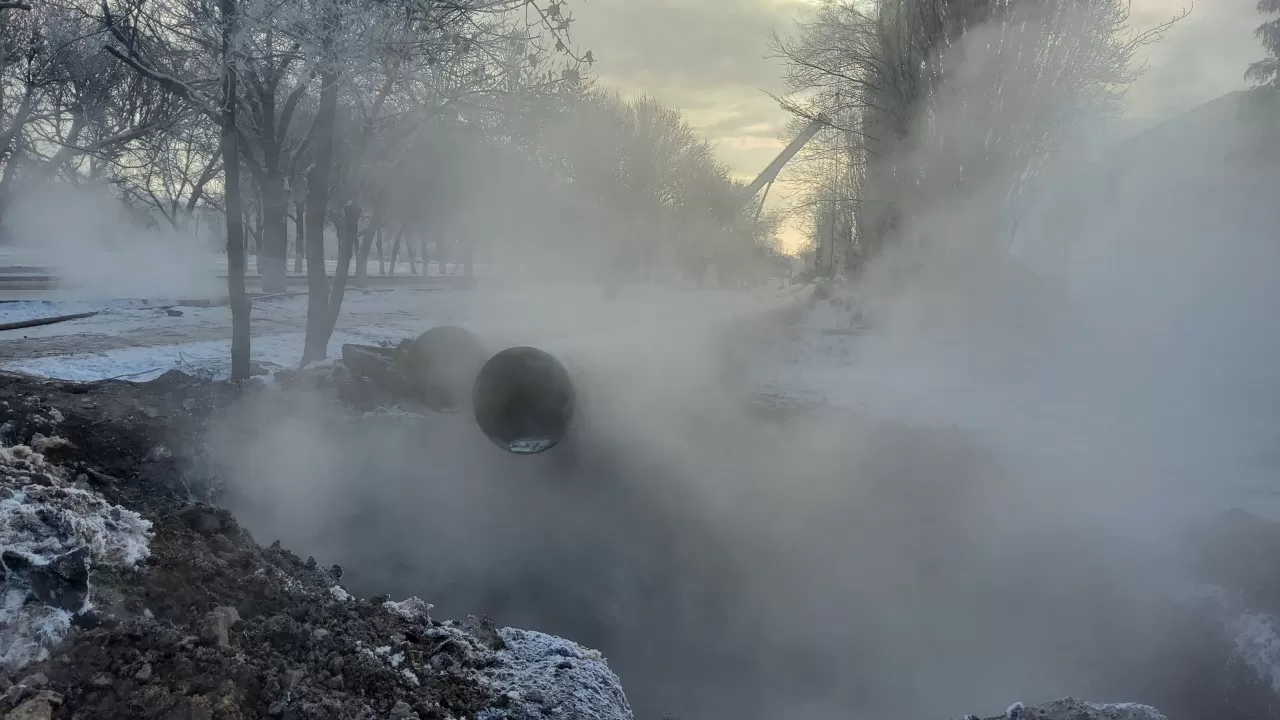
{"x": 524, "y": 400}
{"x": 442, "y": 364}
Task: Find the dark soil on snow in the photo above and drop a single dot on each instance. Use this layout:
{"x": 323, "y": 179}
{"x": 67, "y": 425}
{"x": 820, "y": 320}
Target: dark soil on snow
{"x": 211, "y": 625}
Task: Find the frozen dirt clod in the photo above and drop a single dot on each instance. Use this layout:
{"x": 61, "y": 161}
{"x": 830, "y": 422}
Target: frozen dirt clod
{"x": 544, "y": 676}
{"x": 123, "y": 598}
{"x": 51, "y": 535}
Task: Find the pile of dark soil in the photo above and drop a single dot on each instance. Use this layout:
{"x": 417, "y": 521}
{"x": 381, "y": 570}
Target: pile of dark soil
{"x": 138, "y": 601}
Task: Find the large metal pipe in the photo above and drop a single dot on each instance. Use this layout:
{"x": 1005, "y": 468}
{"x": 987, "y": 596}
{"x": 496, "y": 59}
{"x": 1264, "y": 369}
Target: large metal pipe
{"x": 524, "y": 400}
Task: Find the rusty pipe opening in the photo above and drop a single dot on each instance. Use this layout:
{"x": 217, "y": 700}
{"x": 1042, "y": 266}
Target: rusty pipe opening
{"x": 524, "y": 400}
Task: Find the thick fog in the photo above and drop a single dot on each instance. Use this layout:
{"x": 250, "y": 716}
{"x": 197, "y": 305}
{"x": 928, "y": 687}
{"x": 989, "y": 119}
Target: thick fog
{"x": 98, "y": 249}
{"x": 992, "y": 517}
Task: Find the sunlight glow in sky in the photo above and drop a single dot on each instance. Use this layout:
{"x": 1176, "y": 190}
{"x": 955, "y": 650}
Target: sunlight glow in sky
{"x": 708, "y": 58}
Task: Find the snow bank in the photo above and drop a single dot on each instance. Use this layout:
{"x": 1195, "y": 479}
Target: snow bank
{"x": 535, "y": 676}
{"x": 1073, "y": 709}
{"x": 51, "y": 534}
{"x": 1257, "y": 644}
{"x": 549, "y": 677}
{"x": 1254, "y": 637}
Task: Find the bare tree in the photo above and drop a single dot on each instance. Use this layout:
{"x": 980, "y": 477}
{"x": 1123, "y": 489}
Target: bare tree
{"x": 427, "y": 59}
{"x": 140, "y": 34}
{"x": 885, "y": 73}
{"x": 72, "y": 112}
{"x": 174, "y": 169}
{"x": 1266, "y": 72}
{"x": 231, "y": 182}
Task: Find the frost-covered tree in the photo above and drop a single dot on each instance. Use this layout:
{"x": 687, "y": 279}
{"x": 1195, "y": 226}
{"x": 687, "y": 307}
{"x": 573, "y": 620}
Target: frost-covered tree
{"x": 199, "y": 67}
{"x": 173, "y": 172}
{"x": 67, "y": 113}
{"x": 392, "y": 63}
{"x": 1266, "y": 72}
{"x": 324, "y": 89}
{"x": 945, "y": 99}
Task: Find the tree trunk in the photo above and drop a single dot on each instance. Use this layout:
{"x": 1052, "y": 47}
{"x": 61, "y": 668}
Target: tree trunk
{"x": 423, "y": 255}
{"x": 469, "y": 257}
{"x": 273, "y": 248}
{"x": 255, "y": 232}
{"x": 408, "y": 251}
{"x": 395, "y": 252}
{"x": 231, "y": 182}
{"x": 7, "y": 181}
{"x": 382, "y": 258}
{"x": 299, "y": 237}
{"x": 317, "y": 339}
{"x": 362, "y": 257}
{"x": 348, "y": 235}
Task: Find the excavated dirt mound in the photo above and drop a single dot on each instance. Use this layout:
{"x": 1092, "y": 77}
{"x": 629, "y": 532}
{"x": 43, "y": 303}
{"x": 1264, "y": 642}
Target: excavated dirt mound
{"x": 125, "y": 598}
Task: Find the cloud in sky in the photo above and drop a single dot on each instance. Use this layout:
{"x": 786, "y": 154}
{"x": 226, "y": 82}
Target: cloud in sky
{"x": 710, "y": 59}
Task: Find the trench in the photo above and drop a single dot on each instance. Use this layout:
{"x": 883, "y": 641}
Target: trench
{"x": 737, "y": 564}
{"x": 738, "y": 586}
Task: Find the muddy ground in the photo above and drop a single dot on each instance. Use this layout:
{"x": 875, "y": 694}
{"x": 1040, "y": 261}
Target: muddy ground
{"x": 213, "y": 625}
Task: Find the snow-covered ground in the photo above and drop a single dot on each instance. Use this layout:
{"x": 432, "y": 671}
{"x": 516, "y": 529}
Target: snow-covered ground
{"x": 140, "y": 339}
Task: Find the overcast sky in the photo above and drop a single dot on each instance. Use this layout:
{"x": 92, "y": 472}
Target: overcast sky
{"x": 708, "y": 58}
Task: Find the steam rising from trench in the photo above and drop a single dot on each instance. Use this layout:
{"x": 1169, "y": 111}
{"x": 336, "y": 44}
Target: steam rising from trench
{"x": 991, "y": 515}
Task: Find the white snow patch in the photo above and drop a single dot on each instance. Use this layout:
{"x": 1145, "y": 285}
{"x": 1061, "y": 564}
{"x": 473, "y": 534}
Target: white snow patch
{"x": 289, "y": 582}
{"x": 1073, "y": 709}
{"x": 412, "y": 609}
{"x": 393, "y": 659}
{"x": 41, "y": 518}
{"x": 27, "y": 630}
{"x": 43, "y": 445}
{"x": 554, "y": 678}
{"x": 397, "y": 412}
{"x": 1256, "y": 637}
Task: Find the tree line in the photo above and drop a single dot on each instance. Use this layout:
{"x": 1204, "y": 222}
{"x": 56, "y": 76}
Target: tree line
{"x": 471, "y": 126}
{"x": 945, "y": 108}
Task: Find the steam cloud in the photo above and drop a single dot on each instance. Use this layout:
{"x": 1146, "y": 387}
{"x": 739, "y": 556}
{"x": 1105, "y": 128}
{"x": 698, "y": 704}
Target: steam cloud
{"x": 996, "y": 522}
{"x": 97, "y": 249}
